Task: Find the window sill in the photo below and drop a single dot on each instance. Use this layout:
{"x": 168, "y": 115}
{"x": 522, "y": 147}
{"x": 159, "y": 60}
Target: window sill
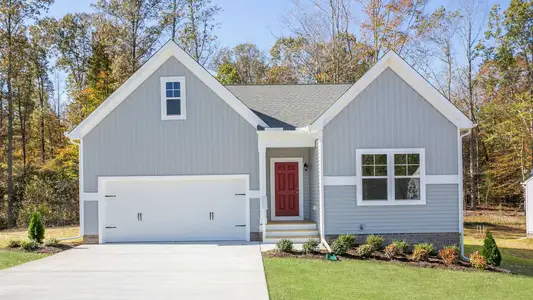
{"x": 168, "y": 118}
{"x": 391, "y": 203}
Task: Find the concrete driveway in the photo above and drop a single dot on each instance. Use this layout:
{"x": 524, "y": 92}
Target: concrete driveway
{"x": 141, "y": 271}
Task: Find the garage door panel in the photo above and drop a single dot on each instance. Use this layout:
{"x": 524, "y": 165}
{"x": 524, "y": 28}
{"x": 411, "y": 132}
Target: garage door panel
{"x": 175, "y": 210}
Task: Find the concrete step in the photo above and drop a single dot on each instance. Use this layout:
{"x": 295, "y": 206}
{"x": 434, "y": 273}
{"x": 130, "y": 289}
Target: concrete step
{"x": 294, "y": 239}
{"x": 292, "y": 232}
{"x": 291, "y": 226}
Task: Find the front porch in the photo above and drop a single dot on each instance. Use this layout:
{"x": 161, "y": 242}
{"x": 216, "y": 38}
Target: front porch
{"x": 289, "y": 186}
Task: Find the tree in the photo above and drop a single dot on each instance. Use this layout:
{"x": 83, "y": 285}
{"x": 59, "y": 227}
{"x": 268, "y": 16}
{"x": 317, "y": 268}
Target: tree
{"x": 197, "y": 36}
{"x": 244, "y": 64}
{"x": 13, "y": 15}
{"x": 138, "y": 26}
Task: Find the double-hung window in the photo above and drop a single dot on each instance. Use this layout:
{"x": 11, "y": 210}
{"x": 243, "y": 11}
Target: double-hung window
{"x": 390, "y": 176}
{"x": 173, "y": 102}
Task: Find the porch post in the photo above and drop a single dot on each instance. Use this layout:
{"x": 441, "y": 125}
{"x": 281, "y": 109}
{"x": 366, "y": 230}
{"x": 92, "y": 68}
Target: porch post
{"x": 262, "y": 187}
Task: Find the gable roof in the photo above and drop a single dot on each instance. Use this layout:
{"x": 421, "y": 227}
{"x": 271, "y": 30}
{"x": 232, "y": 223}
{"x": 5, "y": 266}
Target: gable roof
{"x": 409, "y": 75}
{"x": 170, "y": 49}
{"x": 289, "y": 106}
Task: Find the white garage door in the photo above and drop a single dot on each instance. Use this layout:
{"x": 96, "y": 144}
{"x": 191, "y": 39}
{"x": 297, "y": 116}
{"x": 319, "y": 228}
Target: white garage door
{"x": 174, "y": 209}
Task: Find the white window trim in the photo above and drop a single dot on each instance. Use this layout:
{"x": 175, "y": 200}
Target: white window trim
{"x": 390, "y": 177}
{"x": 183, "y": 98}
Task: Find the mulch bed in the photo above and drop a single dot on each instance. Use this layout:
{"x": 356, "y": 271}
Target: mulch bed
{"x": 432, "y": 263}
{"x": 46, "y": 249}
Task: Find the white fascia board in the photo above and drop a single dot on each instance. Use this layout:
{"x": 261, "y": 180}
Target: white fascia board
{"x": 285, "y": 139}
{"x": 161, "y": 56}
{"x": 409, "y": 75}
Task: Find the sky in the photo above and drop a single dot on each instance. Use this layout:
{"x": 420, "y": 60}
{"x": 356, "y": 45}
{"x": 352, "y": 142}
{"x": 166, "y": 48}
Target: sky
{"x": 256, "y": 21}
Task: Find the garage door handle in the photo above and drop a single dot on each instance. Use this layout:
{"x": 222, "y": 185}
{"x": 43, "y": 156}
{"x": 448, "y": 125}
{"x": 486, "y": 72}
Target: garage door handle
{"x": 240, "y": 225}
{"x": 110, "y": 227}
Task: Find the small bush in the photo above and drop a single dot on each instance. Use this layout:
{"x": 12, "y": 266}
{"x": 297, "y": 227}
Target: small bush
{"x": 310, "y": 246}
{"x": 422, "y": 251}
{"x": 14, "y": 244}
{"x": 30, "y": 245}
{"x": 365, "y": 250}
{"x": 453, "y": 247}
{"x": 478, "y": 261}
{"x": 391, "y": 251}
{"x": 342, "y": 244}
{"x": 36, "y": 228}
{"x": 402, "y": 246}
{"x": 375, "y": 241}
{"x": 449, "y": 256}
{"x": 490, "y": 250}
{"x": 51, "y": 242}
{"x": 284, "y": 245}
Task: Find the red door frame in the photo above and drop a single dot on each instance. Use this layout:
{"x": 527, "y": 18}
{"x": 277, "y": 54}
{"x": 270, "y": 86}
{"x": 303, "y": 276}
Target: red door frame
{"x": 286, "y": 204}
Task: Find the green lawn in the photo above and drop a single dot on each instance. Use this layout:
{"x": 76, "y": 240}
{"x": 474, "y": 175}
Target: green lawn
{"x": 293, "y": 279}
{"x": 12, "y": 258}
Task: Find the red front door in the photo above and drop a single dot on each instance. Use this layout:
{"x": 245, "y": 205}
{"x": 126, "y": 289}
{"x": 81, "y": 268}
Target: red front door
{"x": 286, "y": 189}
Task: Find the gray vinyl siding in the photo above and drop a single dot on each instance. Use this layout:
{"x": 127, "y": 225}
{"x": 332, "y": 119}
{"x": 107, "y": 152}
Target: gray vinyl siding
{"x": 133, "y": 140}
{"x": 440, "y": 214}
{"x": 292, "y": 153}
{"x": 389, "y": 114}
{"x": 90, "y": 221}
{"x": 314, "y": 184}
{"x": 255, "y": 212}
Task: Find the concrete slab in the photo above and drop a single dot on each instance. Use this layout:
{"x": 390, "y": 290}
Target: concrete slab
{"x": 141, "y": 271}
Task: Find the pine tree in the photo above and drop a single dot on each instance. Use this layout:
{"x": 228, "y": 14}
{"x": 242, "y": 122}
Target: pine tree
{"x": 490, "y": 250}
{"x": 36, "y": 228}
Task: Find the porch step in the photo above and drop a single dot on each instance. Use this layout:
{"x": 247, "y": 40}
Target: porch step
{"x": 296, "y": 231}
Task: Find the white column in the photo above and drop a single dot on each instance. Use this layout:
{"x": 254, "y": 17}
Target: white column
{"x": 262, "y": 187}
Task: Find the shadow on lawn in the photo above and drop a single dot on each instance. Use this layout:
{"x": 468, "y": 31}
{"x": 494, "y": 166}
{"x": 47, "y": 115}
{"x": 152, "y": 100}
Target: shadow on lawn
{"x": 518, "y": 261}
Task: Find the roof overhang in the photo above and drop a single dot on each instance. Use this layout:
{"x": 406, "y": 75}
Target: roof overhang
{"x": 170, "y": 49}
{"x": 409, "y": 75}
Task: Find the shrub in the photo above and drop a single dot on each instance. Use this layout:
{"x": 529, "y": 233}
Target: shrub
{"x": 14, "y": 243}
{"x": 478, "y": 261}
{"x": 453, "y": 247}
{"x": 310, "y": 246}
{"x": 51, "y": 242}
{"x": 36, "y": 228}
{"x": 375, "y": 241}
{"x": 391, "y": 251}
{"x": 342, "y": 244}
{"x": 30, "y": 245}
{"x": 402, "y": 246}
{"x": 284, "y": 245}
{"x": 449, "y": 256}
{"x": 490, "y": 250}
{"x": 365, "y": 250}
{"x": 422, "y": 251}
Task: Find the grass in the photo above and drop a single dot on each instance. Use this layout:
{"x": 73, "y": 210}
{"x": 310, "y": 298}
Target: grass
{"x": 290, "y": 278}
{"x": 10, "y": 258}
{"x": 293, "y": 279}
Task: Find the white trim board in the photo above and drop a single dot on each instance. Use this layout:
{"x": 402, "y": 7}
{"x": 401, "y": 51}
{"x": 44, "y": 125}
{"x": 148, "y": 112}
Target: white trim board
{"x": 170, "y": 49}
{"x": 300, "y": 162}
{"x": 409, "y": 75}
{"x": 352, "y": 180}
{"x": 103, "y": 179}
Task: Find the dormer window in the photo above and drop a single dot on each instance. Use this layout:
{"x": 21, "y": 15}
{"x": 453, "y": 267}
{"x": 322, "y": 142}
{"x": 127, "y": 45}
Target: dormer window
{"x": 173, "y": 102}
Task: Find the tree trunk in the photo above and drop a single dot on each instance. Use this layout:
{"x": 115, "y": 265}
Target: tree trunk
{"x": 10, "y": 216}
{"x": 41, "y": 96}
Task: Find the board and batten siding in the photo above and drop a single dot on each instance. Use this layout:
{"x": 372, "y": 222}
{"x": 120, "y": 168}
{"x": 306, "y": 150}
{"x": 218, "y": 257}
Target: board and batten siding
{"x": 288, "y": 153}
{"x": 389, "y": 113}
{"x": 133, "y": 140}
{"x": 440, "y": 214}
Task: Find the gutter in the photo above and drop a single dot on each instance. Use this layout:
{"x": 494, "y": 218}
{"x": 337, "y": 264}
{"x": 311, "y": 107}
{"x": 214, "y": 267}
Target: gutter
{"x": 462, "y": 249}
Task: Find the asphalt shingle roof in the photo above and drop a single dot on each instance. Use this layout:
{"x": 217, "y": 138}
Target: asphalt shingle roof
{"x": 289, "y": 106}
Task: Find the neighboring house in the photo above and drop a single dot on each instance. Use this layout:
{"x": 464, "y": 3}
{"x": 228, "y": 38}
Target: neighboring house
{"x": 528, "y": 196}
{"x": 173, "y": 155}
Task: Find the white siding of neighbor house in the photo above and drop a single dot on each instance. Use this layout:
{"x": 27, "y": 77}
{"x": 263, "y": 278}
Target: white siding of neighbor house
{"x": 390, "y": 114}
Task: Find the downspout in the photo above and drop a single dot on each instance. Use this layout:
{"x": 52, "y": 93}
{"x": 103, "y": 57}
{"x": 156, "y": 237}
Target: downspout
{"x": 318, "y": 146}
{"x": 72, "y": 141}
{"x": 461, "y": 221}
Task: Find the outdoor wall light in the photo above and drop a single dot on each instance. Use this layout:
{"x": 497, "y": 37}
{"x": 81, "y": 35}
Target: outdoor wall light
{"x": 306, "y": 167}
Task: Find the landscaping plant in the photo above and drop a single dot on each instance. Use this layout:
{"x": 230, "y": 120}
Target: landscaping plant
{"x": 342, "y": 244}
{"x": 30, "y": 245}
{"x": 365, "y": 250}
{"x": 14, "y": 243}
{"x": 490, "y": 250}
{"x": 36, "y": 228}
{"x": 402, "y": 246}
{"x": 478, "y": 261}
{"x": 375, "y": 241}
{"x": 310, "y": 246}
{"x": 284, "y": 245}
{"x": 51, "y": 242}
{"x": 449, "y": 256}
{"x": 422, "y": 251}
{"x": 391, "y": 251}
